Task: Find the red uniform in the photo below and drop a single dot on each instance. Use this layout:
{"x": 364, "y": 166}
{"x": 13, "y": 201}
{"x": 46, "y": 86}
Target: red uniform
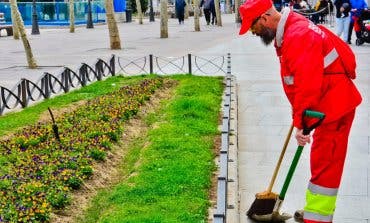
{"x": 314, "y": 78}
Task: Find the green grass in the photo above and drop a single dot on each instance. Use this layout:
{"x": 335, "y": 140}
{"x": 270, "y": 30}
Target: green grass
{"x": 30, "y": 115}
{"x": 173, "y": 179}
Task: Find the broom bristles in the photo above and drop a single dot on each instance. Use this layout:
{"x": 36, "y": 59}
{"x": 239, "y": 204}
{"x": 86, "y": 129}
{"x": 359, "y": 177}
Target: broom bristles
{"x": 263, "y": 204}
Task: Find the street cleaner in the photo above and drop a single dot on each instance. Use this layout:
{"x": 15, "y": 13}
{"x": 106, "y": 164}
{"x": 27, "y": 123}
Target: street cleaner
{"x": 317, "y": 69}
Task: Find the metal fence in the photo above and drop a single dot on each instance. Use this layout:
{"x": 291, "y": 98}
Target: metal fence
{"x": 26, "y": 91}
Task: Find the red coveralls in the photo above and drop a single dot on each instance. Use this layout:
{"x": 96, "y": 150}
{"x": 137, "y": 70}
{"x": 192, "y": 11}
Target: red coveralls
{"x": 314, "y": 78}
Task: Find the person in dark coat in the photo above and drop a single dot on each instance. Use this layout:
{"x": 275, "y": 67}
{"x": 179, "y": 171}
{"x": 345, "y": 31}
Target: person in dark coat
{"x": 180, "y": 10}
{"x": 206, "y": 4}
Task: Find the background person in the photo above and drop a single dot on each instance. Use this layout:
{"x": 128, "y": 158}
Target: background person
{"x": 342, "y": 18}
{"x": 357, "y": 7}
{"x": 180, "y": 10}
{"x": 313, "y": 77}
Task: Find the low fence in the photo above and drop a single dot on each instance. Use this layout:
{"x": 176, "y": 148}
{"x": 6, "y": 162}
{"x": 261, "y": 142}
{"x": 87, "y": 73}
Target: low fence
{"x": 26, "y": 91}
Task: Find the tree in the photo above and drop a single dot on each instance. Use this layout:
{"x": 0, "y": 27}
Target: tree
{"x": 22, "y": 31}
{"x": 164, "y": 19}
{"x": 218, "y": 12}
{"x": 115, "y": 42}
{"x": 15, "y": 27}
{"x": 196, "y": 16}
{"x": 71, "y": 16}
{"x": 228, "y": 6}
{"x": 139, "y": 12}
{"x": 237, "y": 15}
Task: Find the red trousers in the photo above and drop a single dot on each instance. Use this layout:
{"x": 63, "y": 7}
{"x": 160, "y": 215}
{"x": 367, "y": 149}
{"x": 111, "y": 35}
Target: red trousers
{"x": 328, "y": 153}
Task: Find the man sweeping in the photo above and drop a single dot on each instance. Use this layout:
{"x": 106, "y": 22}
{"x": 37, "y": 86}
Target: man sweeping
{"x": 317, "y": 69}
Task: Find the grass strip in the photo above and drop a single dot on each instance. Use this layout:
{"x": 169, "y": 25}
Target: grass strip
{"x": 176, "y": 159}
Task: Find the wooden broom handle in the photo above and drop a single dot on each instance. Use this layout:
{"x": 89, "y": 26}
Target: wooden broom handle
{"x": 269, "y": 189}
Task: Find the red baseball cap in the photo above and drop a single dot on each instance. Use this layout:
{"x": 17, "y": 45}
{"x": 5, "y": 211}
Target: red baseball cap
{"x": 250, "y": 10}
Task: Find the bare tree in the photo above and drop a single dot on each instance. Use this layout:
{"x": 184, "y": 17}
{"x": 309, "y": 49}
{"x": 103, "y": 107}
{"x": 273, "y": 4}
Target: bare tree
{"x": 164, "y": 19}
{"x": 139, "y": 11}
{"x": 22, "y": 31}
{"x": 15, "y": 27}
{"x": 228, "y": 6}
{"x": 115, "y": 42}
{"x": 237, "y": 15}
{"x": 218, "y": 12}
{"x": 71, "y": 16}
{"x": 187, "y": 9}
{"x": 196, "y": 16}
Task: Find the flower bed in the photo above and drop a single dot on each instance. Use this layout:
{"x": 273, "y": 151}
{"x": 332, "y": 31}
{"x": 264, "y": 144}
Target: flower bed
{"x": 37, "y": 171}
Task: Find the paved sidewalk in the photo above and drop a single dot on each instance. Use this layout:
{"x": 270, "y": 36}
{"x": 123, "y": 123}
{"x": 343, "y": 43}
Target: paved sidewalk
{"x": 263, "y": 110}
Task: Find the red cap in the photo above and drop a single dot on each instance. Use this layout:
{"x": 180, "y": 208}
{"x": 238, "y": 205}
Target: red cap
{"x": 250, "y": 10}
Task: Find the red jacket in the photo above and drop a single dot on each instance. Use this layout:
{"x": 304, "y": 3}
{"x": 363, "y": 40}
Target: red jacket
{"x": 312, "y": 77}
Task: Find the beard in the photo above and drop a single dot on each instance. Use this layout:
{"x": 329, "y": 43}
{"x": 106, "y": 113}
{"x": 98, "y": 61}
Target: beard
{"x": 267, "y": 35}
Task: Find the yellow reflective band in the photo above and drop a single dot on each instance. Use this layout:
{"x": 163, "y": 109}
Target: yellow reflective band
{"x": 320, "y": 204}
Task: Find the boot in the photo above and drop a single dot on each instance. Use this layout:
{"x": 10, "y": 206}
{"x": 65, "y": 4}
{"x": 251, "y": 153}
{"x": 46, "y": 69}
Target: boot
{"x": 298, "y": 216}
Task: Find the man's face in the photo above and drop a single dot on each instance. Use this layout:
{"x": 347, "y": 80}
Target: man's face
{"x": 266, "y": 34}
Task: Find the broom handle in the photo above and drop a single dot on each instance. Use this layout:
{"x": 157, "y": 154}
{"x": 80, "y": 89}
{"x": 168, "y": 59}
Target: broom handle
{"x": 269, "y": 189}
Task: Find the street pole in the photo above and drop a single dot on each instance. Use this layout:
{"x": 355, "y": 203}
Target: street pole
{"x": 89, "y": 22}
{"x": 35, "y": 25}
{"x": 151, "y": 13}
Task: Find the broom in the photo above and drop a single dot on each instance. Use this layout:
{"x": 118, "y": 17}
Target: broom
{"x": 265, "y": 201}
{"x": 269, "y": 211}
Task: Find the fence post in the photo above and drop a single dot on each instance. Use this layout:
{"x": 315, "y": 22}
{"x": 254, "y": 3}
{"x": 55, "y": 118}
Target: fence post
{"x": 228, "y": 64}
{"x": 150, "y": 63}
{"x": 112, "y": 64}
{"x": 46, "y": 82}
{"x": 83, "y": 74}
{"x": 189, "y": 63}
{"x": 98, "y": 70}
{"x": 24, "y": 93}
{"x": 65, "y": 76}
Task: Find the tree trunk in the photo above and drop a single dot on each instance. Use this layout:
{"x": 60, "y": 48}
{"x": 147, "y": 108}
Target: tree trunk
{"x": 187, "y": 9}
{"x": 22, "y": 31}
{"x": 14, "y": 22}
{"x": 139, "y": 12}
{"x": 164, "y": 20}
{"x": 196, "y": 16}
{"x": 71, "y": 16}
{"x": 115, "y": 42}
{"x": 218, "y": 12}
{"x": 237, "y": 15}
{"x": 228, "y": 6}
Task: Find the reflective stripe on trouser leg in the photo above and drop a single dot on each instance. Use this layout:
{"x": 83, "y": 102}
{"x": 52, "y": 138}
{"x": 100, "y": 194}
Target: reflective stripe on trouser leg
{"x": 328, "y": 154}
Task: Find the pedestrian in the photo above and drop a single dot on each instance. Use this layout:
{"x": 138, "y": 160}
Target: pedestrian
{"x": 180, "y": 10}
{"x": 314, "y": 74}
{"x": 342, "y": 17}
{"x": 213, "y": 12}
{"x": 206, "y": 4}
{"x": 357, "y": 7}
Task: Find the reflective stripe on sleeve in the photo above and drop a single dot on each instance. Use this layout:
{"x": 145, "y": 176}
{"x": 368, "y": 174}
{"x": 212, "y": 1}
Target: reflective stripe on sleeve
{"x": 317, "y": 189}
{"x": 288, "y": 80}
{"x": 330, "y": 58}
{"x": 317, "y": 217}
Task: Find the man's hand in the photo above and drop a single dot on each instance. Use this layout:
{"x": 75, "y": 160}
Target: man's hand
{"x": 302, "y": 139}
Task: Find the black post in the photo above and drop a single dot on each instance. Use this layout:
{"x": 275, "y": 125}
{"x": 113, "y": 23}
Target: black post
{"x": 151, "y": 12}
{"x": 151, "y": 63}
{"x": 89, "y": 22}
{"x": 189, "y": 63}
{"x": 35, "y": 25}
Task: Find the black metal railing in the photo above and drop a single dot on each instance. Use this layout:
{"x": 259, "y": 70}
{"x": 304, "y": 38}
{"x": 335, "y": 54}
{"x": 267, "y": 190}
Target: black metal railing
{"x": 26, "y": 91}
